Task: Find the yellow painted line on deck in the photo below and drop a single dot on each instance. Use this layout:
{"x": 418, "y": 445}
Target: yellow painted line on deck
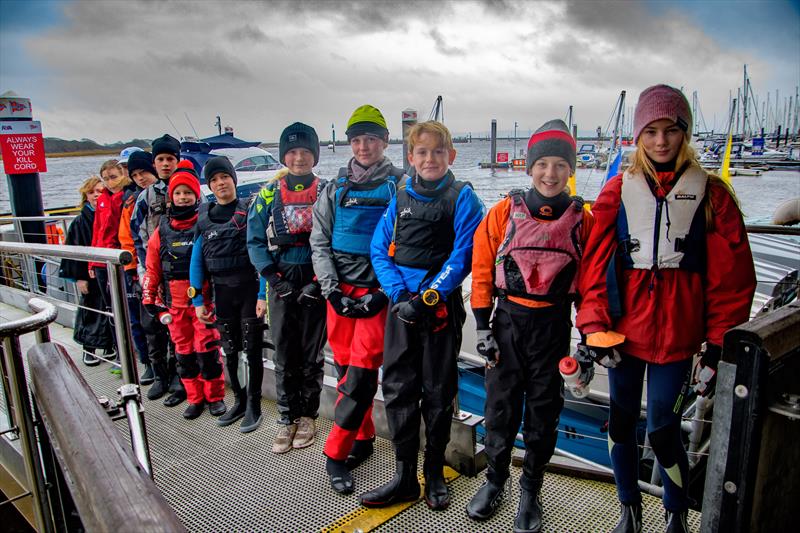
{"x": 363, "y": 520}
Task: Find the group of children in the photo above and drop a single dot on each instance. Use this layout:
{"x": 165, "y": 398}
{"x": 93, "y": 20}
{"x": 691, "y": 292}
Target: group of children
{"x": 374, "y": 259}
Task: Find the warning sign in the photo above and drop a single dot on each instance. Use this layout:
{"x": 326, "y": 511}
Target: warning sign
{"x": 22, "y": 147}
{"x": 502, "y": 157}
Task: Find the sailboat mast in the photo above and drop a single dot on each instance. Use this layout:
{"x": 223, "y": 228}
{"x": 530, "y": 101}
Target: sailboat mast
{"x": 620, "y": 112}
{"x": 744, "y": 103}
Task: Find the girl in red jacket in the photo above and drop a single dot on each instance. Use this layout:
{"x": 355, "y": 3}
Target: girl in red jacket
{"x": 105, "y": 232}
{"x": 169, "y": 252}
{"x": 667, "y": 270}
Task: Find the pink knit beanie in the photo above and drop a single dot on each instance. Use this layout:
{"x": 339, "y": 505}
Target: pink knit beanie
{"x": 662, "y": 101}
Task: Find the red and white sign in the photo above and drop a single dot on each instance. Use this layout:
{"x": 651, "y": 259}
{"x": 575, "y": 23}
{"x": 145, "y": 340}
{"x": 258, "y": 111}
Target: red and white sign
{"x": 502, "y": 157}
{"x": 22, "y": 147}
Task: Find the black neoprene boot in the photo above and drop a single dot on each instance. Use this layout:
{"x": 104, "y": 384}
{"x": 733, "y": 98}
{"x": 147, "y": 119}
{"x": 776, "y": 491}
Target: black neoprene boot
{"x": 340, "y": 477}
{"x": 236, "y": 411}
{"x": 161, "y": 383}
{"x": 437, "y": 495}
{"x": 630, "y": 520}
{"x": 404, "y": 487}
{"x": 486, "y": 501}
{"x": 529, "y": 512}
{"x": 252, "y": 413}
{"x": 360, "y": 452}
{"x": 676, "y": 522}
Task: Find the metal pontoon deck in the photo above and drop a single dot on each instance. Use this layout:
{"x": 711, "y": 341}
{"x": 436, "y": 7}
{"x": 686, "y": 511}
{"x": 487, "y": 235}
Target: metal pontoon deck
{"x": 218, "y": 479}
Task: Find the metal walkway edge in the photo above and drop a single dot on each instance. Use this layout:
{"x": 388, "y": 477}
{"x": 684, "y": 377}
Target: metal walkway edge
{"x": 220, "y": 480}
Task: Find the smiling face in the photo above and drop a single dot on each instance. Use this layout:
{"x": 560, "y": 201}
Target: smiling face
{"x": 429, "y": 157}
{"x": 165, "y": 165}
{"x": 368, "y": 149}
{"x": 661, "y": 140}
{"x": 299, "y": 161}
{"x": 223, "y": 187}
{"x": 183, "y": 196}
{"x": 550, "y": 175}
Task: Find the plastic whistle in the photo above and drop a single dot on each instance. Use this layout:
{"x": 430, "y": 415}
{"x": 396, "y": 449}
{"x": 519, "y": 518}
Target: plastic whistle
{"x": 570, "y": 371}
{"x": 165, "y": 318}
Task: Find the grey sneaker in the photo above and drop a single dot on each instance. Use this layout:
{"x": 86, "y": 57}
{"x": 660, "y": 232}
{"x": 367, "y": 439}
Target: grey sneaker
{"x": 283, "y": 440}
{"x": 306, "y": 431}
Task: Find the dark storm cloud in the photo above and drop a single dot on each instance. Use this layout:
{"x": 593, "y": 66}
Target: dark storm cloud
{"x": 208, "y": 61}
{"x": 250, "y": 33}
{"x": 443, "y": 46}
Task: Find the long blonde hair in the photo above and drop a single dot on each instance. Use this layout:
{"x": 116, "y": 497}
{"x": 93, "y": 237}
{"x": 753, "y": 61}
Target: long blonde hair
{"x": 687, "y": 157}
{"x": 87, "y": 187}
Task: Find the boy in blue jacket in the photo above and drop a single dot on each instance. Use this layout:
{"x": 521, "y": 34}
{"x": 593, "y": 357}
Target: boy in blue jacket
{"x": 421, "y": 252}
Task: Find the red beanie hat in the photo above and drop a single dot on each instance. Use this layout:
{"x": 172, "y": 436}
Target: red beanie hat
{"x": 659, "y": 102}
{"x": 184, "y": 175}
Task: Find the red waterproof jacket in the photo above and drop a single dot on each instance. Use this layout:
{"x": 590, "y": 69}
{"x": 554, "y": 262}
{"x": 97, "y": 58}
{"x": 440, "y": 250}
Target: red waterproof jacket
{"x": 669, "y": 313}
{"x": 106, "y": 222}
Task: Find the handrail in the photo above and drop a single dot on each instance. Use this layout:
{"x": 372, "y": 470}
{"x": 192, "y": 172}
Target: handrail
{"x": 48, "y": 218}
{"x": 773, "y": 229}
{"x": 45, "y": 314}
{"x": 79, "y": 253}
{"x": 111, "y": 490}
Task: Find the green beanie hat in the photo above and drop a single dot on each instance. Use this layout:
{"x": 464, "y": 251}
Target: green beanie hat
{"x": 367, "y": 120}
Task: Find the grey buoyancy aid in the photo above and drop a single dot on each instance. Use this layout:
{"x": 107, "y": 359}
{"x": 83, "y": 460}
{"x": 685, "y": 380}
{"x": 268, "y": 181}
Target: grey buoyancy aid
{"x": 663, "y": 231}
{"x": 539, "y": 260}
{"x": 291, "y": 221}
{"x": 359, "y": 207}
{"x": 156, "y": 196}
{"x": 225, "y": 243}
{"x": 423, "y": 232}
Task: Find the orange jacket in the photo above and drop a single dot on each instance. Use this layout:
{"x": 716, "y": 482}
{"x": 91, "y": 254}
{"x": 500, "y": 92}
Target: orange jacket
{"x": 125, "y": 235}
{"x": 488, "y": 237}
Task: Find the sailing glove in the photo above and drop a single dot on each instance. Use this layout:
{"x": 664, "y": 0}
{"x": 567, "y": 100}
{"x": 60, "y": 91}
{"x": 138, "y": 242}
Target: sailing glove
{"x": 706, "y": 370}
{"x": 586, "y": 361}
{"x": 411, "y": 310}
{"x": 343, "y": 305}
{"x": 310, "y": 294}
{"x": 607, "y": 357}
{"x": 282, "y": 288}
{"x": 488, "y": 347}
{"x": 370, "y": 305}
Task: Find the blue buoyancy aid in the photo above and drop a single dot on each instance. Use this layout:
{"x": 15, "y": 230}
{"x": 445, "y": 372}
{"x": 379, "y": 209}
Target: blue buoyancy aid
{"x": 359, "y": 207}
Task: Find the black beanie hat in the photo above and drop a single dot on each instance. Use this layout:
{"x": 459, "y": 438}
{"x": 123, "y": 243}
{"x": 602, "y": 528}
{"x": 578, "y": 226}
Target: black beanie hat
{"x": 141, "y": 161}
{"x": 552, "y": 139}
{"x": 218, "y": 164}
{"x": 299, "y": 135}
{"x": 167, "y": 144}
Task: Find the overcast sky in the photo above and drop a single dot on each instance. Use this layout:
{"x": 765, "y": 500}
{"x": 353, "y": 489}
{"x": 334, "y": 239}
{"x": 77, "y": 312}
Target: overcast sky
{"x": 114, "y": 70}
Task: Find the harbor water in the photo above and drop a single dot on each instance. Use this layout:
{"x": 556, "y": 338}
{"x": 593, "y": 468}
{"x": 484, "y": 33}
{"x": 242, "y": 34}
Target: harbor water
{"x": 759, "y": 196}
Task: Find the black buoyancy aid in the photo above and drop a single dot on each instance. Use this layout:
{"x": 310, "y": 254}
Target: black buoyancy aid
{"x": 423, "y": 231}
{"x": 291, "y": 220}
{"x": 175, "y": 250}
{"x": 224, "y": 243}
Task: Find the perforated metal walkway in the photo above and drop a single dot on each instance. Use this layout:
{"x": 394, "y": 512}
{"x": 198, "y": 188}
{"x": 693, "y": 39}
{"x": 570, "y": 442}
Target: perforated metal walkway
{"x": 219, "y": 480}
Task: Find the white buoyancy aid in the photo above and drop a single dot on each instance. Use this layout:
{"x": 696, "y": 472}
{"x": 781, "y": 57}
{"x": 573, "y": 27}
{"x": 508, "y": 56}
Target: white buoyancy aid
{"x": 659, "y": 228}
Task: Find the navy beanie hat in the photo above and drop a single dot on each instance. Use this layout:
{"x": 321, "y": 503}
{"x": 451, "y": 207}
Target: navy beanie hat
{"x": 167, "y": 144}
{"x": 218, "y": 164}
{"x": 299, "y": 135}
{"x": 141, "y": 161}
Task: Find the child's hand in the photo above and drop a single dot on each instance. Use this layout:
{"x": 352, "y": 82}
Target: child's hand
{"x": 261, "y": 308}
{"x": 203, "y": 315}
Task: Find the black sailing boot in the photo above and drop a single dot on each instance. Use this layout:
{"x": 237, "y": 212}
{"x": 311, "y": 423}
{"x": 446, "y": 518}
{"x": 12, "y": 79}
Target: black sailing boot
{"x": 177, "y": 392}
{"x": 437, "y": 495}
{"x": 630, "y": 520}
{"x": 236, "y": 412}
{"x": 486, "y": 501}
{"x": 676, "y": 522}
{"x": 340, "y": 477}
{"x": 360, "y": 452}
{"x": 255, "y": 375}
{"x": 529, "y": 512}
{"x": 404, "y": 487}
{"x": 161, "y": 383}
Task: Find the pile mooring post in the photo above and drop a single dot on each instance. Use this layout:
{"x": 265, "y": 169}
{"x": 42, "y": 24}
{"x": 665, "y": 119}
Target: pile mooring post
{"x": 409, "y": 120}
{"x": 494, "y": 142}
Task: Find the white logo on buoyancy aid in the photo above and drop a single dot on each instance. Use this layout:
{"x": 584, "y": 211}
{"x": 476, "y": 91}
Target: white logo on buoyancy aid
{"x": 679, "y": 210}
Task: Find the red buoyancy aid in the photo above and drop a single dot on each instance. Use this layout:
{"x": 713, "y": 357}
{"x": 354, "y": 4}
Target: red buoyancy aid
{"x": 292, "y": 214}
{"x": 539, "y": 260}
